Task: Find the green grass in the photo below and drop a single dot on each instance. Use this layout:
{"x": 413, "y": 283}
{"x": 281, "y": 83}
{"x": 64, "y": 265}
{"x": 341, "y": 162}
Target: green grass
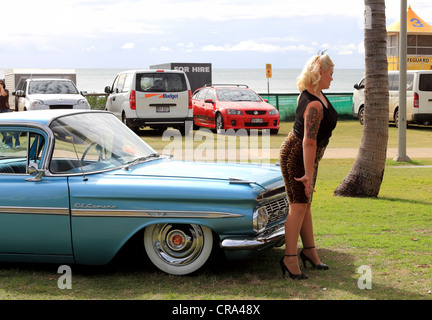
{"x": 391, "y": 234}
{"x": 346, "y": 135}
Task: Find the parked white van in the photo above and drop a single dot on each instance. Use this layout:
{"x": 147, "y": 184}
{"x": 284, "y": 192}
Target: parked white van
{"x": 419, "y": 97}
{"x": 154, "y": 98}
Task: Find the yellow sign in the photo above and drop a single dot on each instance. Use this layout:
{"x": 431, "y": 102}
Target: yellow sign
{"x": 268, "y": 70}
{"x": 413, "y": 63}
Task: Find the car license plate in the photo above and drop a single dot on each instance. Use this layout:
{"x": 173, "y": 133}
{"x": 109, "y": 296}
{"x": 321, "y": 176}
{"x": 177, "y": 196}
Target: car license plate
{"x": 162, "y": 109}
{"x": 257, "y": 120}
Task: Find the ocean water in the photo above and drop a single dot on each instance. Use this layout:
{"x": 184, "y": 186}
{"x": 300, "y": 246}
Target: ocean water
{"x": 282, "y": 81}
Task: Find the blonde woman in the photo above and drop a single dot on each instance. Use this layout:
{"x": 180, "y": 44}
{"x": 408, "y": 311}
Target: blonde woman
{"x": 299, "y": 157}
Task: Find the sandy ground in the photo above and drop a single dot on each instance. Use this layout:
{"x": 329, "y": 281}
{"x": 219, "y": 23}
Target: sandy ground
{"x": 265, "y": 155}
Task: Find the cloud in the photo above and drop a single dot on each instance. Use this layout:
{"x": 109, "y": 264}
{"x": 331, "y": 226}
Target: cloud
{"x": 128, "y": 45}
{"x": 253, "y": 46}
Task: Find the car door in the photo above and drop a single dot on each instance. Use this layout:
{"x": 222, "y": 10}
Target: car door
{"x": 34, "y": 215}
{"x": 119, "y": 96}
{"x": 21, "y": 101}
{"x": 210, "y": 107}
{"x": 198, "y": 106}
{"x": 162, "y": 95}
{"x": 424, "y": 94}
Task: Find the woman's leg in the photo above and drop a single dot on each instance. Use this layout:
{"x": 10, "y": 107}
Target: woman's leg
{"x": 293, "y": 225}
{"x": 307, "y": 236}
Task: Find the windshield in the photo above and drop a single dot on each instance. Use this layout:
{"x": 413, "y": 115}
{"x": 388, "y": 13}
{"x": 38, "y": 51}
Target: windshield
{"x": 90, "y": 142}
{"x": 237, "y": 94}
{"x": 52, "y": 87}
{"x": 161, "y": 82}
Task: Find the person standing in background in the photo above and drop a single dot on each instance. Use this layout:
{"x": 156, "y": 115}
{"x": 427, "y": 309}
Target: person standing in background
{"x": 4, "y": 107}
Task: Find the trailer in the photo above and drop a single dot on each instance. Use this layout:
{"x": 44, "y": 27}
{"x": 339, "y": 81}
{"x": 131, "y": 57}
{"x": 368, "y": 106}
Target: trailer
{"x": 15, "y": 79}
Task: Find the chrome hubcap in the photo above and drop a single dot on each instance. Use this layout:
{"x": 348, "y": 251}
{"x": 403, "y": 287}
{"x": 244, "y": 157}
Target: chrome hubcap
{"x": 178, "y": 244}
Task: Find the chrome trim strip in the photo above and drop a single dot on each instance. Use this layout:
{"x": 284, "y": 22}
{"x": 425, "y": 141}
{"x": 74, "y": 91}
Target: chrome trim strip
{"x": 153, "y": 214}
{"x": 35, "y": 210}
{"x": 274, "y": 237}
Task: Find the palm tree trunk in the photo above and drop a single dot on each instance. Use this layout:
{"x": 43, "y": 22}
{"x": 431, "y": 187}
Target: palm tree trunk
{"x": 367, "y": 172}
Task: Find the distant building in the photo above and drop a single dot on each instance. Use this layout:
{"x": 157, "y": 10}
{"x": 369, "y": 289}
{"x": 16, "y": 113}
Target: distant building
{"x": 419, "y": 43}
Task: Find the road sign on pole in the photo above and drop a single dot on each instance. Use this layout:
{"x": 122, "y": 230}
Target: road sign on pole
{"x": 268, "y": 70}
{"x": 268, "y": 75}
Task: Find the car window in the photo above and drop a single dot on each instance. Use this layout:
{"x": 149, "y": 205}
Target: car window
{"x": 18, "y": 149}
{"x": 52, "y": 87}
{"x": 237, "y": 94}
{"x": 210, "y": 95}
{"x": 120, "y": 82}
{"x": 196, "y": 94}
{"x": 93, "y": 143}
{"x": 394, "y": 82}
{"x": 425, "y": 82}
{"x": 127, "y": 83}
{"x": 201, "y": 94}
{"x": 160, "y": 82}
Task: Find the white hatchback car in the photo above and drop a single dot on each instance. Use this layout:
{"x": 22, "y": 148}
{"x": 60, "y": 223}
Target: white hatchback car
{"x": 419, "y": 97}
{"x": 41, "y": 94}
{"x": 154, "y": 98}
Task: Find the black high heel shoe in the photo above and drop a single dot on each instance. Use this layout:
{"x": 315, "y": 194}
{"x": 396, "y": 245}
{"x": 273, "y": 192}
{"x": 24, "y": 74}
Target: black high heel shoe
{"x": 298, "y": 276}
{"x": 321, "y": 266}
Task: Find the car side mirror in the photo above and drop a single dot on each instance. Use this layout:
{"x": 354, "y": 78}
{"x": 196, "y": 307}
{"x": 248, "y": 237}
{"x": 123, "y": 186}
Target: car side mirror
{"x": 19, "y": 93}
{"x": 209, "y": 101}
{"x": 108, "y": 90}
{"x": 35, "y": 172}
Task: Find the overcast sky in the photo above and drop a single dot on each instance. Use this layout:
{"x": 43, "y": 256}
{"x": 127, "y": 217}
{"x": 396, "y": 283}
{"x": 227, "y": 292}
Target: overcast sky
{"x": 226, "y": 33}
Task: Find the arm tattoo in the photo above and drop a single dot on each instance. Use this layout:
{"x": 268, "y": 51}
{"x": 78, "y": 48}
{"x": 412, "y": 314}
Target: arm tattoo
{"x": 312, "y": 122}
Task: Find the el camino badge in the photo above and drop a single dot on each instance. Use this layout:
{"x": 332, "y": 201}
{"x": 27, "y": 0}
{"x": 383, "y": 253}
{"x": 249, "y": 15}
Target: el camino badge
{"x": 93, "y": 206}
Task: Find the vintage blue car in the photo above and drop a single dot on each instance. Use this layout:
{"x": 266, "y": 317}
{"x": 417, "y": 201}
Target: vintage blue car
{"x": 76, "y": 186}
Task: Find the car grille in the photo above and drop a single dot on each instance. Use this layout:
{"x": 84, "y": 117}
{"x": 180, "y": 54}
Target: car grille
{"x": 277, "y": 209}
{"x": 250, "y": 124}
{"x": 276, "y": 203}
{"x": 61, "y": 106}
{"x": 255, "y": 112}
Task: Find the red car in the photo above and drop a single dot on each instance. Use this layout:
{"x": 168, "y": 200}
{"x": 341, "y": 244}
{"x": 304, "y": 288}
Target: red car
{"x": 224, "y": 107}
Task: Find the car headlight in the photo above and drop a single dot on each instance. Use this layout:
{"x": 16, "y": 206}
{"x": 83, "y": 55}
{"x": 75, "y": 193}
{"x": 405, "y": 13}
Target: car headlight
{"x": 36, "y": 103}
{"x": 234, "y": 112}
{"x": 273, "y": 112}
{"x": 83, "y": 102}
{"x": 260, "y": 219}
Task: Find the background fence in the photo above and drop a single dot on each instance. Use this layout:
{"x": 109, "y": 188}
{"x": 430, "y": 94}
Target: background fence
{"x": 286, "y": 103}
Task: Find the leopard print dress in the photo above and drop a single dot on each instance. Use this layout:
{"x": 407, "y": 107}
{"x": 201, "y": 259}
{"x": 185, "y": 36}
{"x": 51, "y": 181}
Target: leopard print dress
{"x": 292, "y": 166}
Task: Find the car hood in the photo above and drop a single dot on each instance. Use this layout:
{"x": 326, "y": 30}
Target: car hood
{"x": 267, "y": 176}
{"x": 247, "y": 105}
{"x": 57, "y": 98}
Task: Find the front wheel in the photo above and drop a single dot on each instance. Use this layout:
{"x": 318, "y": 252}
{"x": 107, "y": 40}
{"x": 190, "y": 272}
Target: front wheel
{"x": 219, "y": 125}
{"x": 361, "y": 115}
{"x": 178, "y": 249}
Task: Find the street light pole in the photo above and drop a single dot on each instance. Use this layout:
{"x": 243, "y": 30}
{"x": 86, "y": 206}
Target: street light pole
{"x": 402, "y": 124}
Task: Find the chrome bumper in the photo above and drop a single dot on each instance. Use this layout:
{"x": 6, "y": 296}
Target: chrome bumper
{"x": 273, "y": 237}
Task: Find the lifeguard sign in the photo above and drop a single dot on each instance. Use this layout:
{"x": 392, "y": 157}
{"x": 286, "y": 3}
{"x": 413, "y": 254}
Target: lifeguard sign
{"x": 419, "y": 43}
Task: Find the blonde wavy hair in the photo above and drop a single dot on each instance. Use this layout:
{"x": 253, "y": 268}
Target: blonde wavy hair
{"x": 310, "y": 74}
